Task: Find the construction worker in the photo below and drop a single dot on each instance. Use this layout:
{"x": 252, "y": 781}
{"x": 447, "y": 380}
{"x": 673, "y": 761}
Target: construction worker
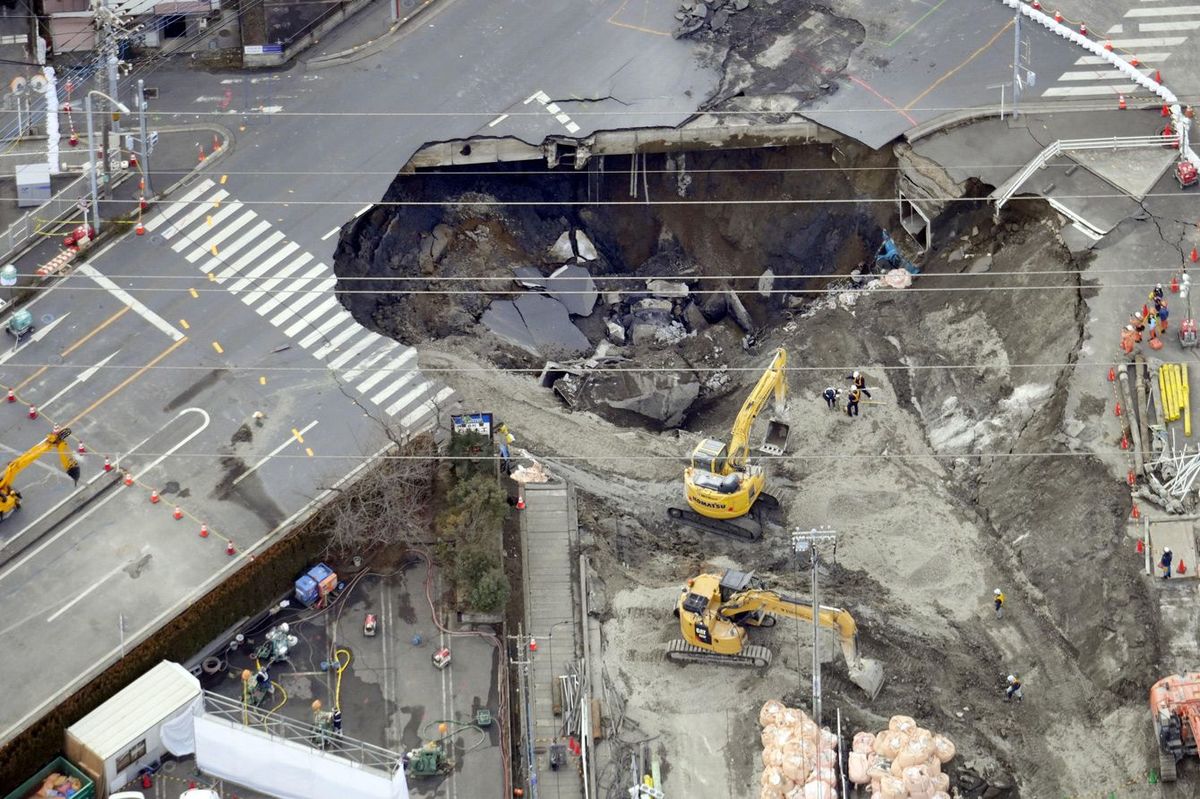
{"x": 1139, "y": 325}
{"x": 1152, "y": 326}
{"x": 1014, "y": 689}
{"x": 998, "y": 600}
{"x": 1128, "y": 339}
{"x": 337, "y": 721}
{"x": 860, "y": 382}
{"x": 852, "y": 401}
{"x": 1157, "y": 294}
{"x": 1163, "y": 313}
{"x": 1165, "y": 562}
{"x": 831, "y": 395}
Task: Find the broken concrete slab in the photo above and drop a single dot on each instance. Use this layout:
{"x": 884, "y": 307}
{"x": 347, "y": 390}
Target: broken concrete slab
{"x": 659, "y": 398}
{"x": 653, "y": 304}
{"x": 616, "y": 332}
{"x": 766, "y": 282}
{"x": 503, "y": 319}
{"x": 550, "y": 327}
{"x": 529, "y": 276}
{"x": 735, "y": 307}
{"x": 584, "y": 246}
{"x": 667, "y": 288}
{"x": 573, "y": 286}
{"x": 561, "y": 250}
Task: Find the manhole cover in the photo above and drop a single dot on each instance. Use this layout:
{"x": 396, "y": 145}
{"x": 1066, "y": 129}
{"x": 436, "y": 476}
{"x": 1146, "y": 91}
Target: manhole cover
{"x": 47, "y": 318}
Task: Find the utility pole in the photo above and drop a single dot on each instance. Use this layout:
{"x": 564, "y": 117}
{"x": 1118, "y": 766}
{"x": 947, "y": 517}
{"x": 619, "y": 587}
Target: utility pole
{"x": 1016, "y": 78}
{"x": 87, "y": 109}
{"x": 145, "y": 143}
{"x": 802, "y": 542}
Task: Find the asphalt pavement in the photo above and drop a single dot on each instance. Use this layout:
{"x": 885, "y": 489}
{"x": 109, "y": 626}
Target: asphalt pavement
{"x": 220, "y": 369}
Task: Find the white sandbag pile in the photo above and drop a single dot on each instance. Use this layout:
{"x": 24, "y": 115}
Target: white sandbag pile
{"x": 902, "y": 762}
{"x": 799, "y": 760}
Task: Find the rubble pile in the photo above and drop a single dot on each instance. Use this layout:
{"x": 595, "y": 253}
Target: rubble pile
{"x": 902, "y": 762}
{"x": 696, "y": 15}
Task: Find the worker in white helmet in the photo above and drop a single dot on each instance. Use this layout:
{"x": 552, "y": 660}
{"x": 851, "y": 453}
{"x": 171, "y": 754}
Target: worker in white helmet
{"x": 1165, "y": 562}
{"x": 860, "y": 382}
{"x": 1013, "y": 691}
{"x": 998, "y": 599}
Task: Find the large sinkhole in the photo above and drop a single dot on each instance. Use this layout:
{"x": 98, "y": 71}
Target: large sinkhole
{"x": 660, "y": 259}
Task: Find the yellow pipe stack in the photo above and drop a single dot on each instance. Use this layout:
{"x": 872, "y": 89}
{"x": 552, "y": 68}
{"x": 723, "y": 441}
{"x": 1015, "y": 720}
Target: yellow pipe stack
{"x": 1176, "y": 401}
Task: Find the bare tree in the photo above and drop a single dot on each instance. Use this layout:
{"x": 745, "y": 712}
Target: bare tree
{"x": 389, "y": 503}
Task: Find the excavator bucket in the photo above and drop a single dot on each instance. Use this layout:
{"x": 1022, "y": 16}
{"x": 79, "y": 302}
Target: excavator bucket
{"x": 868, "y": 675}
{"x": 775, "y": 442}
{"x": 73, "y": 472}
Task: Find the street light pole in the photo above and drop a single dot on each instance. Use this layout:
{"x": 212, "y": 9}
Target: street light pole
{"x": 87, "y": 108}
{"x": 141, "y": 100}
{"x": 807, "y": 542}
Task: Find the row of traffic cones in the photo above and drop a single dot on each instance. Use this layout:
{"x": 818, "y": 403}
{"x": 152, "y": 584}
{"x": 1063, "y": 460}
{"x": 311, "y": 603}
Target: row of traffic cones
{"x": 177, "y": 513}
{"x": 1141, "y": 549}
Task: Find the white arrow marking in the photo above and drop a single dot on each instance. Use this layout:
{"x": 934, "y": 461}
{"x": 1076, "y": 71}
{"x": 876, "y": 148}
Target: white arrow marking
{"x": 83, "y": 378}
{"x": 38, "y": 335}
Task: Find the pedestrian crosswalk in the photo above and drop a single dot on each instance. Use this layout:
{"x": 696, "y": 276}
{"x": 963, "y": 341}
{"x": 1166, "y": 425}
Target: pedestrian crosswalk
{"x": 293, "y": 291}
{"x": 1149, "y": 31}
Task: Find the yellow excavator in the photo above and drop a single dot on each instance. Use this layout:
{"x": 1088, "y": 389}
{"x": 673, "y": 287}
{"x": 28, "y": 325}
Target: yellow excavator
{"x": 10, "y": 498}
{"x": 715, "y": 612}
{"x": 721, "y": 485}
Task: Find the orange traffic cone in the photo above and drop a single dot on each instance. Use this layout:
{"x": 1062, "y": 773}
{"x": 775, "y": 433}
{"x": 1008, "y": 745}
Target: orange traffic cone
{"x": 1124, "y": 442}
{"x": 1195, "y": 256}
{"x": 1181, "y": 569}
{"x": 216, "y": 143}
{"x": 202, "y": 155}
{"x": 1137, "y": 514}
{"x": 1036, "y": 4}
{"x": 1121, "y": 102}
{"x": 520, "y": 503}
{"x": 1158, "y": 79}
{"x": 140, "y": 230}
{"x": 1174, "y": 284}
{"x": 1058, "y": 17}
{"x": 81, "y": 449}
{"x": 133, "y": 160}
{"x": 1141, "y": 546}
{"x": 229, "y": 550}
{"x": 1133, "y": 61}
{"x": 12, "y": 397}
{"x": 1131, "y": 479}
{"x": 128, "y": 479}
{"x": 1083, "y": 29}
{"x": 178, "y": 514}
{"x": 107, "y": 465}
{"x": 532, "y": 644}
{"x": 1108, "y": 45}
{"x": 1117, "y": 410}
{"x": 154, "y": 496}
{"x": 1112, "y": 373}
{"x": 32, "y": 411}
{"x": 204, "y": 531}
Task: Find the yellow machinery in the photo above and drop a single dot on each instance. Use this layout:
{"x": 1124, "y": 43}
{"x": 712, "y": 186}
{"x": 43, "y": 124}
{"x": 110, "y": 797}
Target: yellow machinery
{"x": 721, "y": 484}
{"x": 10, "y": 498}
{"x": 716, "y": 610}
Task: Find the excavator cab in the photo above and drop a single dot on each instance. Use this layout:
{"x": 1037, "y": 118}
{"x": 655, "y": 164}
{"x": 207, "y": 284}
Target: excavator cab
{"x": 710, "y": 456}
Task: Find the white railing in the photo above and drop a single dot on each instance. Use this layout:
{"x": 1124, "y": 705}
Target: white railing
{"x": 1011, "y": 186}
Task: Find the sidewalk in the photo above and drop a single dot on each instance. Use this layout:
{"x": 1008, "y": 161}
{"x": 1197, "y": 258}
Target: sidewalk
{"x": 373, "y": 21}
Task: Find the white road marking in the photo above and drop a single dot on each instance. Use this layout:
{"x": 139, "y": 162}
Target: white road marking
{"x": 291, "y": 440}
{"x": 1082, "y": 91}
{"x": 411, "y": 420}
{"x": 1111, "y": 74}
{"x": 201, "y": 244}
{"x": 82, "y": 594}
{"x": 539, "y": 95}
{"x": 362, "y": 210}
{"x": 393, "y": 387}
{"x": 338, "y": 340}
{"x": 83, "y": 377}
{"x": 572, "y": 127}
{"x": 497, "y": 120}
{"x": 172, "y": 207}
{"x": 319, "y": 289}
{"x": 331, "y": 233}
{"x": 268, "y": 285}
{"x": 1162, "y": 41}
{"x": 248, "y": 258}
{"x": 1114, "y": 30}
{"x": 327, "y": 304}
{"x": 360, "y": 345}
{"x": 386, "y": 371}
{"x": 1095, "y": 60}
{"x": 38, "y": 334}
{"x": 1159, "y": 27}
{"x": 1163, "y": 11}
{"x": 407, "y": 399}
{"x": 553, "y": 108}
{"x": 197, "y": 211}
{"x": 340, "y": 317}
{"x": 92, "y": 508}
{"x": 267, "y": 265}
{"x": 224, "y": 257}
{"x": 135, "y": 306}
{"x": 293, "y": 290}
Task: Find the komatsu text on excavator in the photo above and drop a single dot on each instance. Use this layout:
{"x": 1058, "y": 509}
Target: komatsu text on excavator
{"x": 716, "y": 610}
{"x": 721, "y": 484}
{"x": 10, "y": 498}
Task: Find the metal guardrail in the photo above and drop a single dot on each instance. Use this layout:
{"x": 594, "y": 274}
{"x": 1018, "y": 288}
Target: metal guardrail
{"x": 288, "y": 729}
{"x": 1010, "y": 187}
{"x": 18, "y": 234}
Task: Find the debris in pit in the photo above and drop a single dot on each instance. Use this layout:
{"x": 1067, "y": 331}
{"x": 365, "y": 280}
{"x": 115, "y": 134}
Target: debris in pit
{"x": 537, "y": 324}
{"x": 574, "y": 288}
{"x": 668, "y": 289}
{"x": 561, "y": 250}
{"x": 529, "y": 277}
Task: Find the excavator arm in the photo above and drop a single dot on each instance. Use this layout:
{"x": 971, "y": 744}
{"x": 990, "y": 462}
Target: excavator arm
{"x": 771, "y": 383}
{"x": 54, "y": 442}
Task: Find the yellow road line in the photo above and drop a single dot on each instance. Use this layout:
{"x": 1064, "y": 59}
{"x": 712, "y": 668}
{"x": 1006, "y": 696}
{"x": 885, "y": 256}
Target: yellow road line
{"x": 299, "y": 437}
{"x": 183, "y": 323}
{"x": 223, "y": 179}
{"x": 262, "y": 381}
{"x": 217, "y": 347}
{"x": 309, "y": 451}
{"x": 195, "y": 294}
{"x": 951, "y": 73}
{"x": 29, "y": 379}
{"x": 125, "y": 382}
{"x": 104, "y": 324}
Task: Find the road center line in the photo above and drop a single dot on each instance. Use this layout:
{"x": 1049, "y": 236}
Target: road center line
{"x": 297, "y": 435}
{"x": 124, "y": 310}
{"x": 125, "y": 382}
{"x": 125, "y": 297}
{"x": 93, "y": 587}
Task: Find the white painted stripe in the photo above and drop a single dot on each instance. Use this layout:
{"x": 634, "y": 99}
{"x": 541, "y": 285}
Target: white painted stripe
{"x": 293, "y": 439}
{"x": 1163, "y": 11}
{"x": 79, "y": 596}
{"x": 318, "y": 290}
{"x": 394, "y": 386}
{"x": 225, "y": 258}
{"x": 367, "y": 340}
{"x": 390, "y": 370}
{"x": 1083, "y": 91}
{"x": 367, "y": 363}
{"x": 124, "y": 296}
{"x": 265, "y": 287}
{"x": 572, "y": 127}
{"x": 191, "y": 216}
{"x": 497, "y": 120}
{"x": 277, "y": 255}
{"x": 1095, "y": 74}
{"x": 292, "y": 289}
{"x": 197, "y": 231}
{"x": 171, "y": 207}
{"x": 254, "y": 253}
{"x": 337, "y": 320}
{"x": 1162, "y": 41}
{"x": 563, "y": 118}
{"x": 331, "y": 233}
{"x": 1115, "y": 29}
{"x": 338, "y": 340}
{"x": 328, "y": 303}
{"x": 1161, "y": 27}
{"x": 264, "y": 265}
{"x": 426, "y": 408}
{"x": 554, "y": 109}
{"x": 419, "y": 395}
{"x": 362, "y": 211}
{"x": 204, "y": 246}
{"x": 1095, "y": 60}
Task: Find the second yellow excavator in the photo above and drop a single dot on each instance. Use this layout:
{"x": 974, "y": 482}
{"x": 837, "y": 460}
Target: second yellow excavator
{"x": 10, "y": 498}
{"x": 716, "y": 610}
{"x": 721, "y": 484}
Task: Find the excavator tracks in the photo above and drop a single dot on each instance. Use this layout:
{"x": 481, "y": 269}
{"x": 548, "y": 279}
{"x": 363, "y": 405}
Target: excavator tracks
{"x": 679, "y": 651}
{"x": 749, "y": 530}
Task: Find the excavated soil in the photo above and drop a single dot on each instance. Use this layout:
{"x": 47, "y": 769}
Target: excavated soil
{"x": 952, "y": 482}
